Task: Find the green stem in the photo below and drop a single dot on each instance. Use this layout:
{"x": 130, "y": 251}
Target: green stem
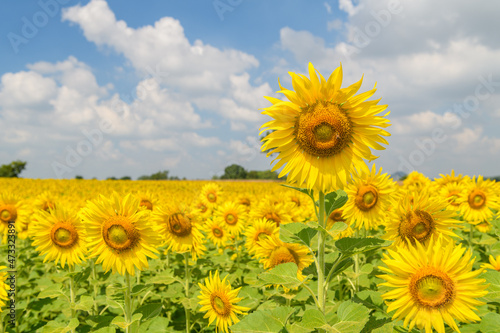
{"x": 128, "y": 302}
{"x": 321, "y": 253}
{"x": 471, "y": 234}
{"x": 188, "y": 277}
{"x": 72, "y": 295}
{"x": 356, "y": 267}
{"x": 95, "y": 309}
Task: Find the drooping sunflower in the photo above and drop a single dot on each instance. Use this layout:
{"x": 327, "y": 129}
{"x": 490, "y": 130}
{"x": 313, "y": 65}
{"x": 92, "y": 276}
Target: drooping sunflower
{"x": 432, "y": 285}
{"x": 481, "y": 198}
{"x": 337, "y": 216}
{"x": 12, "y": 208}
{"x": 180, "y": 230}
{"x": 218, "y": 300}
{"x": 454, "y": 193}
{"x": 147, "y": 199}
{"x": 258, "y": 230}
{"x": 60, "y": 235}
{"x": 217, "y": 232}
{"x": 234, "y": 215}
{"x": 3, "y": 287}
{"x": 323, "y": 133}
{"x": 120, "y": 233}
{"x": 272, "y": 252}
{"x": 211, "y": 194}
{"x": 494, "y": 263}
{"x": 369, "y": 196}
{"x": 419, "y": 216}
{"x": 45, "y": 201}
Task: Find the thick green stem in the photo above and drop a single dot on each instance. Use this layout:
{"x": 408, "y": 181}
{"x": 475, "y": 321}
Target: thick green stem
{"x": 188, "y": 277}
{"x": 321, "y": 253}
{"x": 128, "y": 302}
{"x": 356, "y": 268}
{"x": 72, "y": 295}
{"x": 95, "y": 309}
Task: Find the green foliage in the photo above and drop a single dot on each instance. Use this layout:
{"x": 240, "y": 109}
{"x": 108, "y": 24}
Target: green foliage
{"x": 13, "y": 169}
{"x": 160, "y": 175}
{"x": 351, "y": 246}
{"x": 234, "y": 171}
{"x": 262, "y": 321}
{"x": 283, "y": 274}
{"x": 297, "y": 233}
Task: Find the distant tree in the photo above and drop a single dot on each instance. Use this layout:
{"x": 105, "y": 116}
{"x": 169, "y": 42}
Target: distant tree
{"x": 266, "y": 174}
{"x": 13, "y": 169}
{"x": 234, "y": 171}
{"x": 111, "y": 178}
{"x": 126, "y": 178}
{"x": 160, "y": 175}
{"x": 78, "y": 177}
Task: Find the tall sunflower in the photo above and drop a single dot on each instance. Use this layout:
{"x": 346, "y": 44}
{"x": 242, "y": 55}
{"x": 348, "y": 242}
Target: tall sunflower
{"x": 60, "y": 235}
{"x": 180, "y": 230}
{"x": 234, "y": 215}
{"x": 419, "y": 216}
{"x": 481, "y": 198}
{"x": 323, "y": 133}
{"x": 257, "y": 230}
{"x": 218, "y": 300}
{"x": 432, "y": 285}
{"x": 211, "y": 194}
{"x": 369, "y": 196}
{"x": 278, "y": 212}
{"x": 217, "y": 232}
{"x": 120, "y": 233}
{"x": 12, "y": 208}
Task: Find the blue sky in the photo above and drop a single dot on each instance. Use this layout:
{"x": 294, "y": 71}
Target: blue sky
{"x": 113, "y": 88}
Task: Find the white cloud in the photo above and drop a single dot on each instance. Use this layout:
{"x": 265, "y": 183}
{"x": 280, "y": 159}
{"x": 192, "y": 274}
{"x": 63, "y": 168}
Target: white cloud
{"x": 424, "y": 121}
{"x": 349, "y": 8}
{"x": 328, "y": 7}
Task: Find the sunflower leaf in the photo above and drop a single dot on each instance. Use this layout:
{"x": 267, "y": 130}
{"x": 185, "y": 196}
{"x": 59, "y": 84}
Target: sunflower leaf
{"x": 297, "y": 233}
{"x": 149, "y": 310}
{"x": 283, "y": 274}
{"x": 489, "y": 323}
{"x": 334, "y": 200}
{"x": 310, "y": 193}
{"x": 493, "y": 278}
{"x": 264, "y": 321}
{"x": 351, "y": 246}
{"x": 352, "y": 317}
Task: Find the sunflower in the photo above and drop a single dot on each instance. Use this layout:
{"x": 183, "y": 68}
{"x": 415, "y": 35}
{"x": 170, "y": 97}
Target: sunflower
{"x": 484, "y": 226}
{"x": 216, "y": 232}
{"x": 234, "y": 215}
{"x": 494, "y": 263}
{"x": 432, "y": 285}
{"x": 45, "y": 201}
{"x": 180, "y": 230}
{"x": 120, "y": 233}
{"x": 257, "y": 230}
{"x": 211, "y": 194}
{"x": 416, "y": 181}
{"x": 272, "y": 252}
{"x": 454, "y": 193}
{"x": 369, "y": 196}
{"x": 12, "y": 209}
{"x": 202, "y": 210}
{"x": 3, "y": 287}
{"x": 60, "y": 235}
{"x": 481, "y": 198}
{"x": 323, "y": 133}
{"x": 278, "y": 212}
{"x": 147, "y": 199}
{"x": 451, "y": 179}
{"x": 218, "y": 300}
{"x": 337, "y": 216}
{"x": 418, "y": 217}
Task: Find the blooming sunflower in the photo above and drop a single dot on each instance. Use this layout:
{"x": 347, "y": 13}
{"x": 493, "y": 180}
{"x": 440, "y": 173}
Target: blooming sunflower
{"x": 12, "y": 208}
{"x": 60, "y": 235}
{"x": 234, "y": 215}
{"x": 211, "y": 194}
{"x": 180, "y": 230}
{"x": 481, "y": 198}
{"x": 454, "y": 193}
{"x": 432, "y": 285}
{"x": 216, "y": 232}
{"x": 45, "y": 201}
{"x": 120, "y": 233}
{"x": 369, "y": 196}
{"x": 451, "y": 178}
{"x": 278, "y": 212}
{"x": 3, "y": 287}
{"x": 418, "y": 217}
{"x": 147, "y": 199}
{"x": 272, "y": 252}
{"x": 257, "y": 230}
{"x": 337, "y": 216}
{"x": 218, "y": 300}
{"x": 323, "y": 133}
{"x": 494, "y": 263}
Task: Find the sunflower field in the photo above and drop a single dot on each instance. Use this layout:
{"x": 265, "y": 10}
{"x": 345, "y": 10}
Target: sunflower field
{"x": 341, "y": 247}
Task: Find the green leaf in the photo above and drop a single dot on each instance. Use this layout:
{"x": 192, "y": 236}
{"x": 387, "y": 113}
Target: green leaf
{"x": 107, "y": 329}
{"x": 489, "y": 323}
{"x": 312, "y": 319}
{"x": 297, "y": 233}
{"x": 351, "y": 318}
{"x": 156, "y": 325}
{"x": 52, "y": 291}
{"x": 334, "y": 200}
{"x": 60, "y": 327}
{"x": 264, "y": 321}
{"x": 251, "y": 297}
{"x": 493, "y": 278}
{"x": 351, "y": 246}
{"x": 301, "y": 190}
{"x": 86, "y": 303}
{"x": 382, "y": 325}
{"x": 165, "y": 277}
{"x": 284, "y": 274}
{"x": 149, "y": 311}
{"x": 139, "y": 289}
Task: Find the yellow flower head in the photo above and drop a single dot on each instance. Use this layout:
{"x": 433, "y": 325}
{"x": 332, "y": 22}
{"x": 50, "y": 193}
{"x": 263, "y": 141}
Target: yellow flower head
{"x": 217, "y": 232}
{"x": 481, "y": 198}
{"x": 234, "y": 216}
{"x": 494, "y": 263}
{"x": 12, "y": 208}
{"x": 432, "y": 285}
{"x": 257, "y": 230}
{"x": 211, "y": 194}
{"x": 323, "y": 133}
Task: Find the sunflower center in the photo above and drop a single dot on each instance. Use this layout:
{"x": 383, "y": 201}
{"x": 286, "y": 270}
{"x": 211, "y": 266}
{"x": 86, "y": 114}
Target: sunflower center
{"x": 432, "y": 288}
{"x": 296, "y": 201}
{"x": 336, "y": 216}
{"x": 477, "y": 199}
{"x": 273, "y": 217}
{"x": 366, "y": 198}
{"x": 119, "y": 233}
{"x": 63, "y": 234}
{"x": 212, "y": 197}
{"x": 202, "y": 207}
{"x": 180, "y": 225}
{"x": 146, "y": 203}
{"x": 8, "y": 213}
{"x": 323, "y": 129}
{"x": 231, "y": 218}
{"x": 261, "y": 235}
{"x": 217, "y": 232}
{"x": 416, "y": 225}
{"x": 282, "y": 255}
{"x": 221, "y": 305}
{"x": 47, "y": 205}
{"x": 452, "y": 198}
{"x": 245, "y": 201}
